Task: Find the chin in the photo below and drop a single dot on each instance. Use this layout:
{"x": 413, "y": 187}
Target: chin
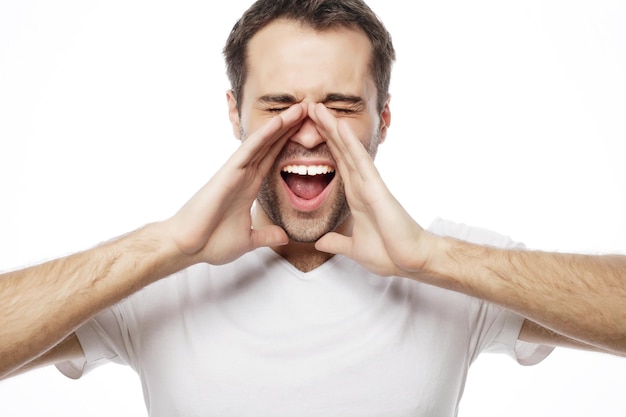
{"x": 303, "y": 234}
{"x": 300, "y": 226}
{"x": 307, "y": 228}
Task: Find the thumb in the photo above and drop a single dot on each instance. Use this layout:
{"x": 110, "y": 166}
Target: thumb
{"x": 271, "y": 235}
{"x": 334, "y": 243}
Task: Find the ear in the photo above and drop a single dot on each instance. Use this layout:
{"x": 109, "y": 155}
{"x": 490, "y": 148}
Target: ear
{"x": 233, "y": 113}
{"x": 385, "y": 120}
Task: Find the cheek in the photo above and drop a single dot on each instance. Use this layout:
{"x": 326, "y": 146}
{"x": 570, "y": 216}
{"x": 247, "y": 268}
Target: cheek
{"x": 251, "y": 122}
{"x": 368, "y": 134}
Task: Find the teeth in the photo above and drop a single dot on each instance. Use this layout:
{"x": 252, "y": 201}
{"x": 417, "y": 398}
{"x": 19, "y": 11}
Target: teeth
{"x": 308, "y": 169}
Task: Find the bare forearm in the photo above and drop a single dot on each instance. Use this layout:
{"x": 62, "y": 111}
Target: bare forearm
{"x": 41, "y": 305}
{"x": 579, "y": 296}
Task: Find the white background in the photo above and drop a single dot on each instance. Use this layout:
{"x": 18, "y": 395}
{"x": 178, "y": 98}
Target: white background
{"x": 506, "y": 115}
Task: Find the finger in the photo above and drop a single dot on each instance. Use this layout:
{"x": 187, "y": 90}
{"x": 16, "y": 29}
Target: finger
{"x": 270, "y": 235}
{"x": 355, "y": 164}
{"x": 267, "y": 160}
{"x": 326, "y": 124}
{"x": 342, "y": 141}
{"x": 334, "y": 243}
{"x": 262, "y": 140}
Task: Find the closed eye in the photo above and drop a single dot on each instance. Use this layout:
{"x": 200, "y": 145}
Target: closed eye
{"x": 277, "y": 109}
{"x": 342, "y": 110}
{"x": 276, "y": 103}
{"x": 344, "y": 104}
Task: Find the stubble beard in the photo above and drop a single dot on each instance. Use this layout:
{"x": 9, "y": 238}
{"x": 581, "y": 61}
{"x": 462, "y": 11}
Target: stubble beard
{"x": 305, "y": 227}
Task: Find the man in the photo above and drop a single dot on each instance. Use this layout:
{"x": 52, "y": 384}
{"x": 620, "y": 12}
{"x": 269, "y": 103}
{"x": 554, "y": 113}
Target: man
{"x": 293, "y": 329}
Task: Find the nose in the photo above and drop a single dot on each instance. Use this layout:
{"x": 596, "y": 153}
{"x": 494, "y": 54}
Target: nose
{"x": 308, "y": 135}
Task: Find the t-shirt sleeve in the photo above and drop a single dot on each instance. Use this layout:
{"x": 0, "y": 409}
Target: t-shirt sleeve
{"x": 103, "y": 340}
{"x": 506, "y": 340}
{"x": 114, "y": 334}
{"x": 503, "y": 332}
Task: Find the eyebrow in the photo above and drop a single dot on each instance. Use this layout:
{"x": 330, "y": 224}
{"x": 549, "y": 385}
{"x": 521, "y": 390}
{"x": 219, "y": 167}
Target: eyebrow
{"x": 343, "y": 98}
{"x": 278, "y": 99}
{"x": 330, "y": 98}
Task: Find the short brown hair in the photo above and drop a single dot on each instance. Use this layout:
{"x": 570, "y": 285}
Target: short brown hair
{"x": 320, "y": 15}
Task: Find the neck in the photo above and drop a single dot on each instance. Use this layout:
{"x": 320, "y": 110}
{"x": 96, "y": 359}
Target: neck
{"x": 302, "y": 256}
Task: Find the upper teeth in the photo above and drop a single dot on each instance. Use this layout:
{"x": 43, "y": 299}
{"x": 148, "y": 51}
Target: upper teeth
{"x": 308, "y": 169}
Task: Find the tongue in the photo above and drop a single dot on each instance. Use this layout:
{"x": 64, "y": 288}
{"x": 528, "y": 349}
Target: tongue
{"x": 306, "y": 186}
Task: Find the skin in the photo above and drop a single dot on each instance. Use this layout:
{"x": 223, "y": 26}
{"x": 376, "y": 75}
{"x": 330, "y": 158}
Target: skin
{"x": 41, "y": 306}
{"x": 278, "y": 79}
{"x": 318, "y": 123}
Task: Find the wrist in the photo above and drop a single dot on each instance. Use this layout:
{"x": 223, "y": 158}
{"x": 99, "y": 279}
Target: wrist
{"x": 446, "y": 262}
{"x": 155, "y": 252}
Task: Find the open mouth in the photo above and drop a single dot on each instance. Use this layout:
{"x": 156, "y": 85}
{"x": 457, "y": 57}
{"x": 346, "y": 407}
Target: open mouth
{"x": 307, "y": 181}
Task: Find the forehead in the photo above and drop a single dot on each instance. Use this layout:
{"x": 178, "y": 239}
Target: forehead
{"x": 286, "y": 56}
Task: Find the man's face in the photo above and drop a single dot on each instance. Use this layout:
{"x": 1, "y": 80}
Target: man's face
{"x": 287, "y": 64}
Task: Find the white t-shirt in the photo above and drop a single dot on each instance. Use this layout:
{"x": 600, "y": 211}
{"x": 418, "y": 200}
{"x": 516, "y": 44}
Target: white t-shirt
{"x": 257, "y": 337}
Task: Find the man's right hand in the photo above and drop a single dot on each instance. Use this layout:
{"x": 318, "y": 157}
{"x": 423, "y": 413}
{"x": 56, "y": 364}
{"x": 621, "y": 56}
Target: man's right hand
{"x": 41, "y": 306}
{"x": 215, "y": 226}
